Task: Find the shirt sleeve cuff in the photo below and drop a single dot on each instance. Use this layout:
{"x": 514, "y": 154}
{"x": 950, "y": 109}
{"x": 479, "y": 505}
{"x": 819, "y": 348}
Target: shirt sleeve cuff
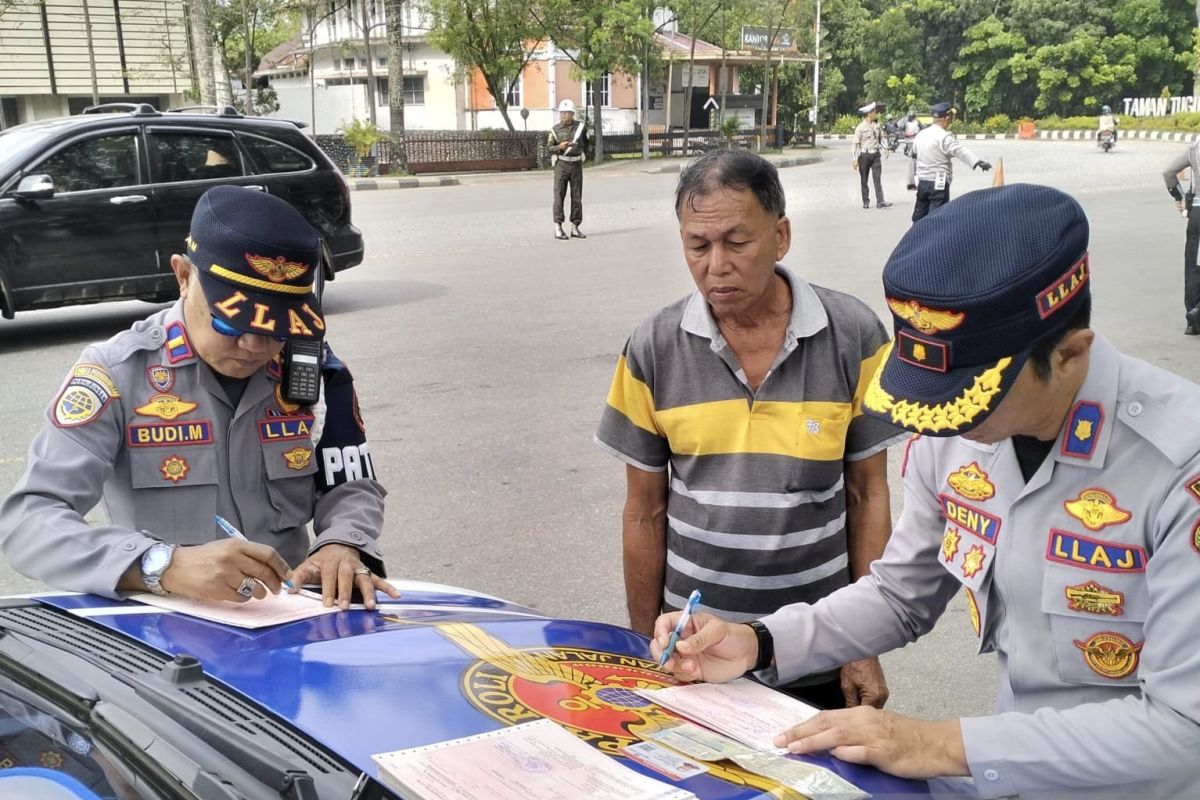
{"x": 630, "y": 460}
{"x": 993, "y": 777}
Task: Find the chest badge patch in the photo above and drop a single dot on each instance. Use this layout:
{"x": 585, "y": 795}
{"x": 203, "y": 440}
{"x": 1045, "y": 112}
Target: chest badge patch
{"x": 980, "y": 523}
{"x": 1110, "y": 654}
{"x": 85, "y": 396}
{"x": 161, "y": 378}
{"x": 973, "y": 608}
{"x": 284, "y": 406}
{"x": 1095, "y": 599}
{"x": 950, "y": 544}
{"x": 1096, "y": 508}
{"x": 298, "y": 457}
{"x": 973, "y": 561}
{"x": 165, "y": 406}
{"x": 1196, "y": 537}
{"x": 174, "y": 468}
{"x": 1193, "y": 487}
{"x": 1075, "y": 550}
{"x": 972, "y": 482}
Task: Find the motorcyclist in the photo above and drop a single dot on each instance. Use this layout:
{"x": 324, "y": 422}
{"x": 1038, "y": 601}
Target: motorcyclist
{"x": 1108, "y": 122}
{"x": 912, "y": 126}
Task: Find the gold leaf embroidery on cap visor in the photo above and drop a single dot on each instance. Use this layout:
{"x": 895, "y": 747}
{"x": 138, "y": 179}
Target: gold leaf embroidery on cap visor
{"x": 947, "y": 416}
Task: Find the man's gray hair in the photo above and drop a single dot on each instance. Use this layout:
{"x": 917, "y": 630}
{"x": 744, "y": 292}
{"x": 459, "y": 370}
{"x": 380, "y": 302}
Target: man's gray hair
{"x": 731, "y": 169}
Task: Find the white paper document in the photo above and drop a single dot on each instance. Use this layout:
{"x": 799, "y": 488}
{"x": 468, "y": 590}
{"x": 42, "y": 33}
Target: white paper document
{"x": 274, "y": 609}
{"x": 741, "y": 709}
{"x": 534, "y": 761}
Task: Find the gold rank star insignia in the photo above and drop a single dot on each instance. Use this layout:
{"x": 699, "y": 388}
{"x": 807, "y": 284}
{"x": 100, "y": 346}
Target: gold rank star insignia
{"x": 919, "y": 352}
{"x": 1083, "y": 430}
{"x": 1096, "y": 508}
{"x": 972, "y": 482}
{"x": 174, "y": 468}
{"x": 973, "y": 562}
{"x": 298, "y": 457}
{"x": 165, "y": 406}
{"x": 926, "y": 320}
{"x": 950, "y": 544}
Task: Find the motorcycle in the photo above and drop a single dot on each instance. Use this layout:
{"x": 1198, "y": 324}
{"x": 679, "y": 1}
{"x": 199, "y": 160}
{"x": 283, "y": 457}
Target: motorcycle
{"x": 1107, "y": 140}
{"x": 892, "y": 141}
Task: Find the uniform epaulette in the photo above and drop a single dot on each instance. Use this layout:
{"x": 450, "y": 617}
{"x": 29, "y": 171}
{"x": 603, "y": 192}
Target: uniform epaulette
{"x": 144, "y": 335}
{"x": 1166, "y": 427}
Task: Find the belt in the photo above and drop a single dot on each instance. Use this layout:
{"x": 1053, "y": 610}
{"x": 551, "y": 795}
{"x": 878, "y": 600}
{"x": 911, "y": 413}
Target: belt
{"x": 570, "y": 158}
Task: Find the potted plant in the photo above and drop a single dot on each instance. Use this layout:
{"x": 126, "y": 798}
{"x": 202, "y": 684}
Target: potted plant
{"x": 362, "y": 136}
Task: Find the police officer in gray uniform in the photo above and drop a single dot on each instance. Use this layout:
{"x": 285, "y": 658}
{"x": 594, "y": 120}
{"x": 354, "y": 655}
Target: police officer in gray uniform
{"x": 568, "y": 143}
{"x": 935, "y": 149}
{"x": 1190, "y": 160}
{"x": 188, "y": 415}
{"x": 1056, "y": 482}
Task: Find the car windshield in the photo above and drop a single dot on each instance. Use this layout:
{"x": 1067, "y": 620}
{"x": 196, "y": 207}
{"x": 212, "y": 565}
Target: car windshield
{"x": 16, "y": 142}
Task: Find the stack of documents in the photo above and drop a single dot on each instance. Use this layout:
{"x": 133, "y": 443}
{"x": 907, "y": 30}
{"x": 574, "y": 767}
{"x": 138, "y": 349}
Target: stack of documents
{"x": 274, "y": 609}
{"x": 534, "y": 761}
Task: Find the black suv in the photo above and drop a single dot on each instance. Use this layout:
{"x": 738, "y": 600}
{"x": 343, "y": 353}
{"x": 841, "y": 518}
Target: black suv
{"x": 93, "y": 206}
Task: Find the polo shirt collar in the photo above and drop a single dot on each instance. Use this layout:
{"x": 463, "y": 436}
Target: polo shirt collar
{"x": 808, "y": 313}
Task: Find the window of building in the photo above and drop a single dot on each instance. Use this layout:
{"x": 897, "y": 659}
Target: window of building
{"x": 106, "y": 162}
{"x": 381, "y": 92}
{"x": 512, "y": 94}
{"x": 605, "y": 91}
{"x": 414, "y": 90}
{"x": 177, "y": 157}
{"x": 337, "y": 64}
{"x": 383, "y": 62}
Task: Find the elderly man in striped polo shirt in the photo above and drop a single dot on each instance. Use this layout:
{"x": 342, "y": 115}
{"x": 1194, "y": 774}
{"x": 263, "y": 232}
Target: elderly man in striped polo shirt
{"x": 752, "y": 473}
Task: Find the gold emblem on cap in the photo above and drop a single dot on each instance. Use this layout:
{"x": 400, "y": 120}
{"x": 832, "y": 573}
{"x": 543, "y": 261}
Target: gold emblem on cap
{"x": 1096, "y": 508}
{"x": 926, "y": 320}
{"x": 948, "y": 416}
{"x": 972, "y": 482}
{"x": 277, "y": 269}
{"x": 165, "y": 406}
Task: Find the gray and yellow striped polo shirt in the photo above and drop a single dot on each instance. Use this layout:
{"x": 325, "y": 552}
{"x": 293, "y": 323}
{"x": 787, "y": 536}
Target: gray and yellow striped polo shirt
{"x": 756, "y": 514}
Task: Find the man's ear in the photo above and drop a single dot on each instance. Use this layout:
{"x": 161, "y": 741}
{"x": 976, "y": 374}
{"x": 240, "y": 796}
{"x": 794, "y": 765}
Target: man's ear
{"x": 183, "y": 273}
{"x": 783, "y": 237}
{"x": 1072, "y": 352}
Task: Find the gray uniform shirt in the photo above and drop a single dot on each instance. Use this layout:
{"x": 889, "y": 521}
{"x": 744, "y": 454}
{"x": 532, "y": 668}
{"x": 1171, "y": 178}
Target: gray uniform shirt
{"x": 142, "y": 423}
{"x": 1085, "y": 582}
{"x": 1188, "y": 159}
{"x": 936, "y": 148}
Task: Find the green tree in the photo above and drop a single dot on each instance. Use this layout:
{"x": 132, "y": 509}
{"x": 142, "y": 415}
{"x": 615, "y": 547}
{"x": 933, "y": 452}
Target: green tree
{"x": 496, "y": 37}
{"x": 994, "y": 66}
{"x": 264, "y": 24}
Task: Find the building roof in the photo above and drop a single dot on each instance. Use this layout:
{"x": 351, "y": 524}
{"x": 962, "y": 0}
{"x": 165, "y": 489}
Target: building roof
{"x": 287, "y": 57}
{"x": 675, "y": 45}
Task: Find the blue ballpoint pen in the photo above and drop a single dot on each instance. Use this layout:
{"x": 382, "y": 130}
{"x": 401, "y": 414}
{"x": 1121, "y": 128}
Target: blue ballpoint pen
{"x": 688, "y": 607}
{"x": 234, "y": 533}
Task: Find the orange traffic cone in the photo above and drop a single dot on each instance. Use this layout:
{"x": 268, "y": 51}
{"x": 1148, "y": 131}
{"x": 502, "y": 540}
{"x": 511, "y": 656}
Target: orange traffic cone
{"x": 998, "y": 177}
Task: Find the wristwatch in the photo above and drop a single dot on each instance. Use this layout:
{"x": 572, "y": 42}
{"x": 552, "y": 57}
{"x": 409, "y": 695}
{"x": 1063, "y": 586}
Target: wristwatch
{"x": 155, "y": 562}
{"x": 766, "y": 646}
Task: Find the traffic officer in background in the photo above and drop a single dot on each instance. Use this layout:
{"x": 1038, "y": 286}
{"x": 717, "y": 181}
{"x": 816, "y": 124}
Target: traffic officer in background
{"x": 1056, "y": 482}
{"x": 867, "y": 154}
{"x": 568, "y": 143}
{"x": 936, "y": 148}
{"x": 195, "y": 412}
{"x": 1189, "y": 159}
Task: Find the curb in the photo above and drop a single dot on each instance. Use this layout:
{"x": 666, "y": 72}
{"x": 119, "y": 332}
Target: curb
{"x": 780, "y": 163}
{"x": 371, "y": 184}
{"x": 1151, "y": 136}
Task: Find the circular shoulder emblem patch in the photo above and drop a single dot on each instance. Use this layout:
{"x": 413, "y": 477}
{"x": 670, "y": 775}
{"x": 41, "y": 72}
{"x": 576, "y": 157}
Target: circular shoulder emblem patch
{"x": 1110, "y": 654}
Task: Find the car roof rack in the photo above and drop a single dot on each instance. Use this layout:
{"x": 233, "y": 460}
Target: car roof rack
{"x": 220, "y": 111}
{"x": 138, "y": 109}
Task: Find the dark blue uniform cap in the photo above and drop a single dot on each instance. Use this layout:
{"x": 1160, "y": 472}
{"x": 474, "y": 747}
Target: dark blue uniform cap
{"x": 972, "y": 289}
{"x": 940, "y": 109}
{"x": 258, "y": 259}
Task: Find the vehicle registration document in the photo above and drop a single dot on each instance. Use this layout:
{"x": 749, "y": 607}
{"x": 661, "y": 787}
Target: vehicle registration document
{"x": 534, "y": 761}
{"x": 274, "y": 609}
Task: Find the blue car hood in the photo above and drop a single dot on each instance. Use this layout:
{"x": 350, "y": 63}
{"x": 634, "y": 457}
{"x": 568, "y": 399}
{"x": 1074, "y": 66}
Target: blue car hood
{"x": 440, "y": 664}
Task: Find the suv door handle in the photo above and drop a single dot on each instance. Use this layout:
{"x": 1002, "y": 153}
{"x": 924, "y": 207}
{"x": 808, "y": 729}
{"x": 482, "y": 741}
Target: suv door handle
{"x": 121, "y": 200}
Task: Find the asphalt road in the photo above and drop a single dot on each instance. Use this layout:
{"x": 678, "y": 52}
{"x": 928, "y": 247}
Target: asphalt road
{"x": 483, "y": 349}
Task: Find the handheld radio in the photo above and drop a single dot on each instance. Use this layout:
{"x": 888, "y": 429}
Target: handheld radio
{"x": 302, "y": 357}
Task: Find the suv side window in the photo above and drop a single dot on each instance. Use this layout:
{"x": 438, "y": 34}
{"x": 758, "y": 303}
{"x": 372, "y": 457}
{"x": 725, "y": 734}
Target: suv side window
{"x": 271, "y": 156}
{"x": 189, "y": 156}
{"x": 105, "y": 162}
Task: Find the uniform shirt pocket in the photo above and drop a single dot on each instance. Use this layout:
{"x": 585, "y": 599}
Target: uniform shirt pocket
{"x": 172, "y": 467}
{"x": 1096, "y": 623}
{"x": 290, "y": 467}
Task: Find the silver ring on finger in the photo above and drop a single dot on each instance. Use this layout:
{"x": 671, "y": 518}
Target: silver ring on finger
{"x": 246, "y": 587}
{"x": 362, "y": 571}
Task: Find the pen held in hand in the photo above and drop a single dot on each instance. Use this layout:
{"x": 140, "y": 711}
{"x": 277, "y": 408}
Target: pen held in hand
{"x": 233, "y": 533}
{"x": 688, "y": 607}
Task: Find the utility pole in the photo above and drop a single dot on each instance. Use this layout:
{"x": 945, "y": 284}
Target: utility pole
{"x": 87, "y": 24}
{"x": 816, "y": 74}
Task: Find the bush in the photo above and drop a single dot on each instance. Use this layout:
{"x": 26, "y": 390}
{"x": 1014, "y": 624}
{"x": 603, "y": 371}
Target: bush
{"x": 998, "y": 123}
{"x": 846, "y": 123}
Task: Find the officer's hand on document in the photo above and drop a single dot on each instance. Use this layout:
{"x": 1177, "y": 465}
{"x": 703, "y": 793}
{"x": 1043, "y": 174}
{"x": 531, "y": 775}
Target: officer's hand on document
{"x": 215, "y": 570}
{"x": 709, "y": 649}
{"x": 339, "y": 570}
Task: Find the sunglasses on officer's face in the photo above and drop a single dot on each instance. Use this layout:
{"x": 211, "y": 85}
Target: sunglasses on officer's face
{"x": 225, "y": 329}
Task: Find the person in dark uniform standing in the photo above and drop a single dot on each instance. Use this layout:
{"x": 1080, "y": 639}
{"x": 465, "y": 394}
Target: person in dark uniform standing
{"x": 568, "y": 142}
{"x": 867, "y": 155}
{"x": 1190, "y": 160}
